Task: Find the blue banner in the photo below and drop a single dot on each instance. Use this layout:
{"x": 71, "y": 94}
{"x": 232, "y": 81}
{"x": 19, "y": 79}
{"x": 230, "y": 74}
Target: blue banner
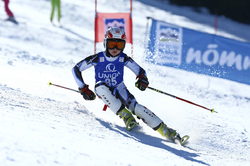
{"x": 202, "y": 53}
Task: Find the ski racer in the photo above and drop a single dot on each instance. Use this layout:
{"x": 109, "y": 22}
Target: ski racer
{"x": 110, "y": 88}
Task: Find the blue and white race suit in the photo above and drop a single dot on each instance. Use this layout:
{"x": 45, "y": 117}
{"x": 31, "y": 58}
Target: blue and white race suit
{"x": 110, "y": 70}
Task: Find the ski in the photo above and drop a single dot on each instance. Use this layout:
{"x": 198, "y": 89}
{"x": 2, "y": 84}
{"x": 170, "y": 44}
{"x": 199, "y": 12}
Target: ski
{"x": 12, "y": 21}
{"x": 183, "y": 139}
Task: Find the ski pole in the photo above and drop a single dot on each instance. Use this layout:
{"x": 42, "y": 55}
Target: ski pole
{"x": 211, "y": 110}
{"x": 50, "y": 83}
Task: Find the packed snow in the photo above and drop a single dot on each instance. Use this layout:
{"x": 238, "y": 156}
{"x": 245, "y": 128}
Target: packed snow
{"x": 48, "y": 125}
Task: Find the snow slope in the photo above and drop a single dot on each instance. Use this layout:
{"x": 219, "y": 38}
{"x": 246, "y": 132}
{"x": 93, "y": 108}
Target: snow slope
{"x": 42, "y": 125}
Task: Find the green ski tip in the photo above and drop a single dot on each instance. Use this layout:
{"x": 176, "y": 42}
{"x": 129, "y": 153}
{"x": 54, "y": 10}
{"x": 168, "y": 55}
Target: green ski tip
{"x": 184, "y": 140}
{"x": 49, "y": 83}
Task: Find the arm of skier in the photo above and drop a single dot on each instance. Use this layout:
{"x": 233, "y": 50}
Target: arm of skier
{"x": 142, "y": 82}
{"x": 77, "y": 74}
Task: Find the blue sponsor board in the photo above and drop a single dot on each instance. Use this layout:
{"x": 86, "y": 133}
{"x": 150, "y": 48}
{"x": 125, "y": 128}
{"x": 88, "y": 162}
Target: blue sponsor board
{"x": 202, "y": 53}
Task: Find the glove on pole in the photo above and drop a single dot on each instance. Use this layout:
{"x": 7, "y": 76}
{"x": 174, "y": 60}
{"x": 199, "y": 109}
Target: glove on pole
{"x": 85, "y": 92}
{"x": 211, "y": 110}
{"x": 142, "y": 82}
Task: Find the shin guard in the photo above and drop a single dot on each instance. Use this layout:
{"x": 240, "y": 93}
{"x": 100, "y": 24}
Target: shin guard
{"x": 147, "y": 116}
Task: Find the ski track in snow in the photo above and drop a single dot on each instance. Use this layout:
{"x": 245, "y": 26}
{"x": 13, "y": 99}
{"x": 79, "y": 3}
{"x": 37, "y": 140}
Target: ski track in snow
{"x": 41, "y": 126}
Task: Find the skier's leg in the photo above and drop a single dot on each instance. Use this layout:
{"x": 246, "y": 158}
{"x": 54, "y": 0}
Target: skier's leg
{"x": 140, "y": 111}
{"x": 58, "y": 10}
{"x": 154, "y": 122}
{"x": 6, "y": 5}
{"x": 143, "y": 113}
{"x": 147, "y": 116}
{"x": 121, "y": 92}
{"x": 52, "y": 9}
{"x": 104, "y": 92}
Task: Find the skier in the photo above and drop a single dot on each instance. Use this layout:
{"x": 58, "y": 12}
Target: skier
{"x": 110, "y": 88}
{"x": 55, "y": 4}
{"x": 9, "y": 13}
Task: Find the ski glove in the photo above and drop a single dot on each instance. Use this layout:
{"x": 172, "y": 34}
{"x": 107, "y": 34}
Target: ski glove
{"x": 87, "y": 93}
{"x": 142, "y": 82}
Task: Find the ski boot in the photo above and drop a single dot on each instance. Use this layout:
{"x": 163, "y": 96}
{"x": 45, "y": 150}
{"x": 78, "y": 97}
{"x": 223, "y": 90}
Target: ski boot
{"x": 128, "y": 119}
{"x": 169, "y": 133}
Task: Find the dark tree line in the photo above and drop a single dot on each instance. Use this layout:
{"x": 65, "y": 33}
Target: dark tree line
{"x": 238, "y": 10}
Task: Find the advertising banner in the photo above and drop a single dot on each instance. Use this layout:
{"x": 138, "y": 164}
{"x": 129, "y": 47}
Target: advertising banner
{"x": 202, "y": 53}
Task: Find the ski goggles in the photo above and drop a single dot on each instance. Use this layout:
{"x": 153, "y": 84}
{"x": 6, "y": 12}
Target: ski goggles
{"x": 118, "y": 44}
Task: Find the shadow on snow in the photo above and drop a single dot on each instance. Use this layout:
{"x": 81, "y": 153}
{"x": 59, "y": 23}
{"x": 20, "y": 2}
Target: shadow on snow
{"x": 152, "y": 141}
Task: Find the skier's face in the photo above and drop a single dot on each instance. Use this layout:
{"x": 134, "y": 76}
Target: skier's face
{"x": 114, "y": 52}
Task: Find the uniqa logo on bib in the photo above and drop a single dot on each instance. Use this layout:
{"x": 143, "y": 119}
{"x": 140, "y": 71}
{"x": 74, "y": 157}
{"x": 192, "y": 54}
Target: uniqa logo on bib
{"x": 110, "y": 68}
